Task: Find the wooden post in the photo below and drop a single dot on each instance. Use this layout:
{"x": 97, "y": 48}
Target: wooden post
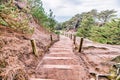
{"x": 34, "y": 48}
{"x": 1, "y": 78}
{"x": 74, "y": 39}
{"x": 67, "y": 35}
{"x": 58, "y": 36}
{"x": 63, "y": 33}
{"x": 70, "y": 36}
{"x": 80, "y": 46}
{"x": 51, "y": 38}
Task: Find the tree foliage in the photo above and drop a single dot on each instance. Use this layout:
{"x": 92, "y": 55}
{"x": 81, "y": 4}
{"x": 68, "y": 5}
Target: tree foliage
{"x": 51, "y": 20}
{"x": 10, "y": 17}
{"x": 101, "y": 26}
{"x": 105, "y": 16}
{"x": 41, "y": 16}
{"x": 109, "y": 34}
{"x": 85, "y": 27}
{"x": 37, "y": 11}
{"x": 100, "y": 18}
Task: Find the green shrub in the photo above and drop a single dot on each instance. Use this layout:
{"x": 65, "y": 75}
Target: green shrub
{"x": 57, "y": 32}
{"x": 45, "y": 19}
{"x": 109, "y": 33}
{"x": 85, "y": 27}
{"x": 9, "y": 14}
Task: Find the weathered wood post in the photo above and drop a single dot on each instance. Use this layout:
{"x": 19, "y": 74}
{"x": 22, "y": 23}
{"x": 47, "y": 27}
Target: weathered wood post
{"x": 64, "y": 33}
{"x": 34, "y": 48}
{"x": 51, "y": 38}
{"x": 74, "y": 39}
{"x": 70, "y": 36}
{"x": 58, "y": 36}
{"x": 1, "y": 78}
{"x": 67, "y": 35}
{"x": 80, "y": 46}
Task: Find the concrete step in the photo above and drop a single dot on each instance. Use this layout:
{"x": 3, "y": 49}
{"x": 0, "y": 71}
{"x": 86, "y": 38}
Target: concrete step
{"x": 59, "y": 66}
{"x": 40, "y": 79}
{"x": 60, "y": 62}
{"x": 61, "y": 48}
{"x": 58, "y": 58}
{"x": 62, "y": 53}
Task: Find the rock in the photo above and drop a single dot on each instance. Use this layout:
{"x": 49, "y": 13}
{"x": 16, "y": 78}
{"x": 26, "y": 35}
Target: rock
{"x": 116, "y": 59}
{"x": 92, "y": 79}
{"x": 117, "y": 65}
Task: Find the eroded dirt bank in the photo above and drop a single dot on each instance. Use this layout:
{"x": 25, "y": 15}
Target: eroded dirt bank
{"x": 16, "y": 57}
{"x": 97, "y": 57}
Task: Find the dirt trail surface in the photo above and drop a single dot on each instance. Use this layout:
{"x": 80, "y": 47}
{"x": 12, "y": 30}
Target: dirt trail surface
{"x": 97, "y": 57}
{"x": 61, "y": 63}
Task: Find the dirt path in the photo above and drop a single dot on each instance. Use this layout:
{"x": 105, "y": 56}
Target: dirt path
{"x": 61, "y": 63}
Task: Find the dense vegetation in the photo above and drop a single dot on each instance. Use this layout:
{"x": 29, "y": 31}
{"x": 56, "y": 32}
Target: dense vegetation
{"x": 37, "y": 10}
{"x": 10, "y": 16}
{"x": 102, "y": 26}
{"x": 18, "y": 17}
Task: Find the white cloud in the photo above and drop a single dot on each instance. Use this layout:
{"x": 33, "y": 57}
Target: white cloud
{"x": 65, "y": 9}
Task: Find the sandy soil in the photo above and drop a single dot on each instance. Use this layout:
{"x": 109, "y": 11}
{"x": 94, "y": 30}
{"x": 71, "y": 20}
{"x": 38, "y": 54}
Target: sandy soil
{"x": 16, "y": 49}
{"x": 97, "y": 57}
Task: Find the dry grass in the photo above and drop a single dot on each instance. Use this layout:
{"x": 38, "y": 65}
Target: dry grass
{"x": 12, "y": 69}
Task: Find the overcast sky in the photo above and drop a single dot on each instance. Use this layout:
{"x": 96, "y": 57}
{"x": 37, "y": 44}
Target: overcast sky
{"x": 65, "y": 9}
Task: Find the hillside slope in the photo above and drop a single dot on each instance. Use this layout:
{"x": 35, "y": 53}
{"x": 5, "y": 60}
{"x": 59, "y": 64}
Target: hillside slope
{"x": 16, "y": 56}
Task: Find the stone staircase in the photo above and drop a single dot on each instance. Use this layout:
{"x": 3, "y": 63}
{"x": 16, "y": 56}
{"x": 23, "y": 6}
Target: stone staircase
{"x": 60, "y": 64}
